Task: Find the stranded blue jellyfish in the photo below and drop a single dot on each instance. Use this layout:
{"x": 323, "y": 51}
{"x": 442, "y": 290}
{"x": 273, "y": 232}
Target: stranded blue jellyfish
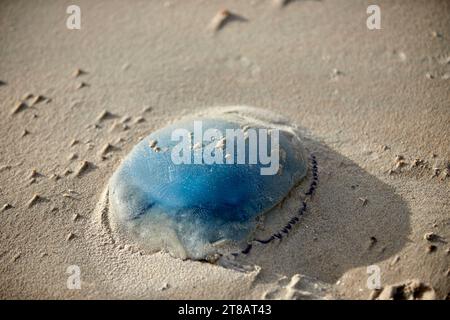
{"x": 201, "y": 184}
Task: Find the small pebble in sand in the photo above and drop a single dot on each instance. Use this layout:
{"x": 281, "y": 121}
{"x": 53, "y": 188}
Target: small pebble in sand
{"x": 372, "y": 242}
{"x": 147, "y": 109}
{"x": 139, "y": 120}
{"x": 436, "y": 172}
{"x": 25, "y": 132}
{"x": 417, "y": 162}
{"x": 152, "y": 143}
{"x": 431, "y": 248}
{"x": 34, "y": 174}
{"x": 104, "y": 115}
{"x": 399, "y": 162}
{"x": 16, "y": 257}
{"x": 74, "y": 142}
{"x": 70, "y": 236}
{"x": 118, "y": 127}
{"x": 125, "y": 119}
{"x": 35, "y": 199}
{"x": 55, "y": 177}
{"x": 75, "y": 217}
{"x": 429, "y": 76}
{"x": 219, "y": 20}
{"x": 281, "y": 3}
{"x": 106, "y": 149}
{"x": 72, "y": 156}
{"x": 164, "y": 287}
{"x": 19, "y": 106}
{"x": 436, "y": 34}
{"x": 27, "y": 96}
{"x": 68, "y": 195}
{"x": 84, "y": 167}
{"x": 37, "y": 99}
{"x": 431, "y": 236}
{"x": 336, "y": 73}
{"x": 6, "y": 206}
{"x": 364, "y": 201}
{"x": 222, "y": 18}
{"x": 81, "y": 85}
{"x": 78, "y": 72}
{"x": 395, "y": 260}
{"x": 119, "y": 140}
{"x": 402, "y": 56}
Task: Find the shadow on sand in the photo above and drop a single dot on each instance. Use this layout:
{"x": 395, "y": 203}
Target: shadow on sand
{"x": 340, "y": 230}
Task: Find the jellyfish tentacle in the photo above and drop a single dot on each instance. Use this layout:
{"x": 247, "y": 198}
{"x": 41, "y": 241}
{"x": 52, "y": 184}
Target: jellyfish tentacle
{"x": 286, "y": 229}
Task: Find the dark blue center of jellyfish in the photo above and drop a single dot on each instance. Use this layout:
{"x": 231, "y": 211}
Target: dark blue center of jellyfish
{"x": 186, "y": 208}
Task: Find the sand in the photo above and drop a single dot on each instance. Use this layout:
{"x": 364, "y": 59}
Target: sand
{"x": 373, "y": 105}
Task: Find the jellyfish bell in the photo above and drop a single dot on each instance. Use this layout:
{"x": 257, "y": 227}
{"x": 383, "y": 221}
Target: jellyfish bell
{"x": 199, "y": 193}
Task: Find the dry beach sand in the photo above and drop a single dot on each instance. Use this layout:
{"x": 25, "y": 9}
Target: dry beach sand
{"x": 374, "y": 107}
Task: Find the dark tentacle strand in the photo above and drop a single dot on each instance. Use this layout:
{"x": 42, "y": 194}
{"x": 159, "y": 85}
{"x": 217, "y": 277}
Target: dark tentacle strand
{"x": 247, "y": 250}
{"x": 265, "y": 241}
{"x": 295, "y": 219}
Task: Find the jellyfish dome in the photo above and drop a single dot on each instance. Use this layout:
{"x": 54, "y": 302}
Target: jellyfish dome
{"x": 205, "y": 181}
